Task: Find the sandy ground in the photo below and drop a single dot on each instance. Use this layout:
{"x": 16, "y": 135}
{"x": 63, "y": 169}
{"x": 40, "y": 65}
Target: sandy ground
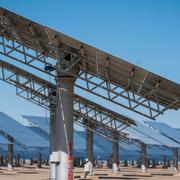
{"x": 33, "y": 173}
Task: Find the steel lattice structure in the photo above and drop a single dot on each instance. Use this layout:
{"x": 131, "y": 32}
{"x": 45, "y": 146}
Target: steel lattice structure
{"x": 88, "y": 82}
{"x": 122, "y": 83}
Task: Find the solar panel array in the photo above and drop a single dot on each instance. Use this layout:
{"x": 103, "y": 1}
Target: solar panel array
{"x": 20, "y": 132}
{"x": 140, "y": 132}
{"x": 127, "y": 151}
{"x": 104, "y": 148}
{"x": 43, "y": 123}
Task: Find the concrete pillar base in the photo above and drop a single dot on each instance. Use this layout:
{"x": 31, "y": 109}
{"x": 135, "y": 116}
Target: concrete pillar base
{"x": 52, "y": 172}
{"x": 10, "y": 167}
{"x": 175, "y": 169}
{"x": 143, "y": 168}
{"x": 91, "y": 170}
{"x": 114, "y": 168}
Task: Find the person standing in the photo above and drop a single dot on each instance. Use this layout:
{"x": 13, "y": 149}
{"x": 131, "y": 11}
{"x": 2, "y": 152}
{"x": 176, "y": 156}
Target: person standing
{"x": 87, "y": 167}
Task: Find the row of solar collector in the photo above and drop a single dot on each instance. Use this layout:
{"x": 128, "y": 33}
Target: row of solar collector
{"x": 30, "y": 140}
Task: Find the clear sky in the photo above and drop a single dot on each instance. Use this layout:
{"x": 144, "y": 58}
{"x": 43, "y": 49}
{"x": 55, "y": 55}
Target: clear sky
{"x": 144, "y": 32}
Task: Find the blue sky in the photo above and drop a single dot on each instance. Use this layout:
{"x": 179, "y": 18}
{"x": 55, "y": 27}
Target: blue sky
{"x": 144, "y": 32}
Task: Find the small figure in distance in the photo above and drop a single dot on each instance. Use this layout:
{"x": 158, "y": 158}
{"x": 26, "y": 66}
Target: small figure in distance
{"x": 87, "y": 167}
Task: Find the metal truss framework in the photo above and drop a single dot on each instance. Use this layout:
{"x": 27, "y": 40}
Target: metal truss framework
{"x": 104, "y": 131}
{"x": 39, "y": 91}
{"x": 103, "y": 88}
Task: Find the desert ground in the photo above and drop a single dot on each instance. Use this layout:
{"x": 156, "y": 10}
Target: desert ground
{"x": 27, "y": 172}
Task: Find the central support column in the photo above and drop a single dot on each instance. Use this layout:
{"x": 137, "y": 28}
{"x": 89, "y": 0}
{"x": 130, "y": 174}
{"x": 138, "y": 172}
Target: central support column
{"x": 115, "y": 153}
{"x": 144, "y": 164}
{"x": 175, "y": 152}
{"x": 89, "y": 147}
{"x": 64, "y": 128}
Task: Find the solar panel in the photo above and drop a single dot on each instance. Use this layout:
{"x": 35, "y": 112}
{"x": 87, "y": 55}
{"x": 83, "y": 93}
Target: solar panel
{"x": 115, "y": 71}
{"x": 133, "y": 134}
{"x": 42, "y": 122}
{"x": 149, "y": 135}
{"x": 38, "y": 121}
{"x": 4, "y": 140}
{"x": 39, "y": 131}
{"x": 107, "y": 145}
{"x": 21, "y": 133}
{"x": 166, "y": 130}
{"x": 159, "y": 151}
